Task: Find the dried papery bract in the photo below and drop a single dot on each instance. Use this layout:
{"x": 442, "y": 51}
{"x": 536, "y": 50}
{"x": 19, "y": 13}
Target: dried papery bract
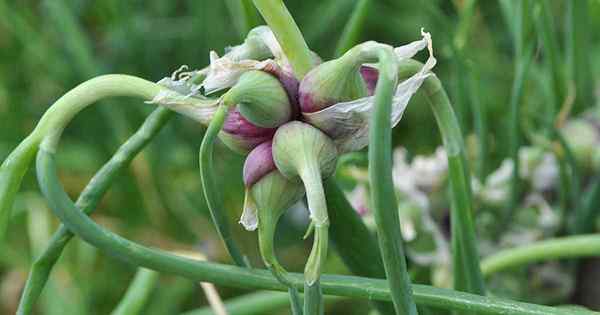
{"x": 301, "y": 151}
{"x": 346, "y": 121}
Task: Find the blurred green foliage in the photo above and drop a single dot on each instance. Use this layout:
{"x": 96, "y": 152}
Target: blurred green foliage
{"x": 47, "y": 47}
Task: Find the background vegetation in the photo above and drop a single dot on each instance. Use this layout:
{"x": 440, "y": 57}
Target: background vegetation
{"x": 47, "y": 47}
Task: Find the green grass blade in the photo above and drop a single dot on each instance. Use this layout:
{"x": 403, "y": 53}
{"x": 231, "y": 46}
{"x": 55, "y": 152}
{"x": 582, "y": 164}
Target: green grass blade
{"x": 354, "y": 27}
{"x": 243, "y": 15}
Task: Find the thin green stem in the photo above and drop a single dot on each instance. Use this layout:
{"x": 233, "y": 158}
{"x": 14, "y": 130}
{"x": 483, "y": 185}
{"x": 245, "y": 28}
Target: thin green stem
{"x": 87, "y": 202}
{"x": 465, "y": 259}
{"x": 551, "y": 249}
{"x": 354, "y": 27}
{"x": 267, "y": 225}
{"x": 355, "y": 287}
{"x": 353, "y": 241}
{"x": 383, "y": 196}
{"x": 210, "y": 187}
{"x": 138, "y": 293}
{"x": 315, "y": 195}
{"x": 50, "y": 127}
{"x": 288, "y": 35}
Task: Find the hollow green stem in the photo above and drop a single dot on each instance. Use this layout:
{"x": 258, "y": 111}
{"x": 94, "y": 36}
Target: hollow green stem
{"x": 87, "y": 202}
{"x": 288, "y": 35}
{"x": 353, "y": 241}
{"x": 551, "y": 249}
{"x": 50, "y": 127}
{"x": 354, "y": 27}
{"x": 315, "y": 195}
{"x": 138, "y": 293}
{"x": 383, "y": 196}
{"x": 313, "y": 299}
{"x": 266, "y": 233}
{"x": 210, "y": 187}
{"x": 465, "y": 259}
{"x": 233, "y": 276}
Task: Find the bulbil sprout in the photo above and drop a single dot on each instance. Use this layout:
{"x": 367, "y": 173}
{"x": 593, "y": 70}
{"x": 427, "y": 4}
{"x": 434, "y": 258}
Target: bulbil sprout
{"x": 261, "y": 99}
{"x": 268, "y": 195}
{"x": 303, "y": 151}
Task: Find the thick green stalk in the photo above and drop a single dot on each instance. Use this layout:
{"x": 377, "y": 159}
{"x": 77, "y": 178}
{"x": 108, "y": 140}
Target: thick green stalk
{"x": 212, "y": 193}
{"x": 138, "y": 293}
{"x": 87, "y": 202}
{"x": 51, "y": 125}
{"x": 353, "y": 241}
{"x": 465, "y": 259}
{"x": 383, "y": 196}
{"x": 354, "y": 27}
{"x": 288, "y": 35}
{"x": 551, "y": 249}
{"x": 355, "y": 287}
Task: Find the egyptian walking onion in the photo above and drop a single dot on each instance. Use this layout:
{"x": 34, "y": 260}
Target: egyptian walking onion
{"x": 292, "y": 129}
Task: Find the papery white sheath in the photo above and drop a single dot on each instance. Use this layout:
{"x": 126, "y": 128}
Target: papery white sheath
{"x": 349, "y": 121}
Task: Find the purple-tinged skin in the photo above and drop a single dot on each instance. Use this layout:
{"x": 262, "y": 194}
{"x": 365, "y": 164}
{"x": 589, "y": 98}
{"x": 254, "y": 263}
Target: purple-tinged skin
{"x": 237, "y": 125}
{"x": 259, "y": 163}
{"x": 289, "y": 83}
{"x": 308, "y": 102}
{"x": 370, "y": 75}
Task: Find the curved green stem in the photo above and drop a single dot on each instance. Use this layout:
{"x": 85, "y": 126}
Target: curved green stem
{"x": 233, "y": 276}
{"x": 465, "y": 259}
{"x": 267, "y": 225}
{"x": 383, "y": 196}
{"x": 210, "y": 187}
{"x": 354, "y": 27}
{"x": 138, "y": 293}
{"x": 315, "y": 195}
{"x": 288, "y": 35}
{"x": 87, "y": 202}
{"x": 565, "y": 247}
{"x": 50, "y": 127}
{"x": 251, "y": 278}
